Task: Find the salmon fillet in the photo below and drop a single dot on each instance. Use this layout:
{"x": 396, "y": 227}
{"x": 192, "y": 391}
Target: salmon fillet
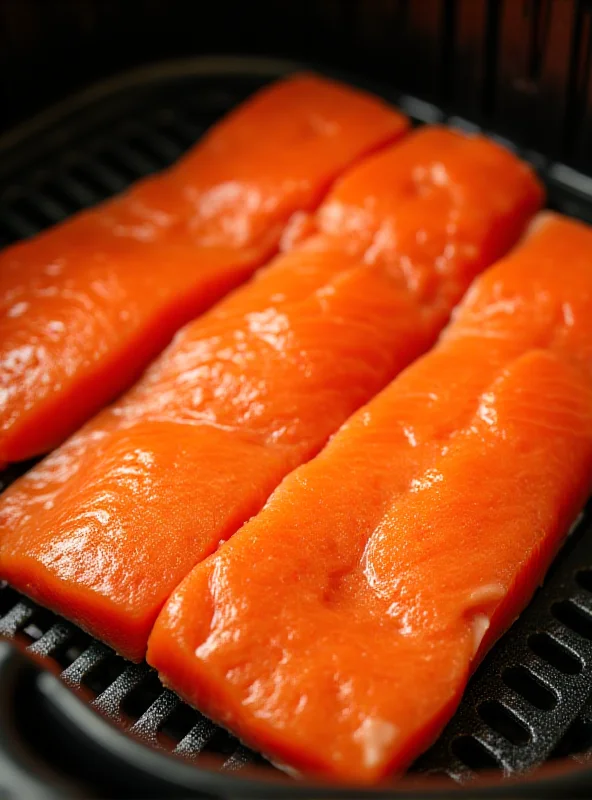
{"x": 336, "y": 631}
{"x": 106, "y": 527}
{"x": 86, "y": 305}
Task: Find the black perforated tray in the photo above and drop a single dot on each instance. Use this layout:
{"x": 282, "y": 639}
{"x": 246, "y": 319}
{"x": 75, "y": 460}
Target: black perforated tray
{"x": 111, "y": 725}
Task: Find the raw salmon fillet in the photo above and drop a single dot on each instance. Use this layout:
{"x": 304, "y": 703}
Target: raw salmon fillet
{"x": 86, "y": 305}
{"x": 106, "y": 527}
{"x": 335, "y": 632}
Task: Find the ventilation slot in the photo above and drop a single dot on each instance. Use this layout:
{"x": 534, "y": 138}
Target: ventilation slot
{"x": 473, "y": 754}
{"x": 112, "y": 172}
{"x": 134, "y": 160}
{"x": 118, "y": 167}
{"x": 505, "y": 722}
{"x": 145, "y": 148}
{"x": 13, "y": 226}
{"x": 99, "y": 181}
{"x": 24, "y": 208}
{"x": 553, "y": 652}
{"x": 221, "y": 743}
{"x": 73, "y": 187}
{"x": 37, "y": 625}
{"x": 174, "y": 134}
{"x": 8, "y": 598}
{"x": 158, "y": 145}
{"x": 573, "y": 617}
{"x": 142, "y": 696}
{"x": 59, "y": 192}
{"x": 32, "y": 632}
{"x": 71, "y": 649}
{"x": 101, "y": 675}
{"x": 38, "y": 210}
{"x": 528, "y": 686}
{"x": 177, "y": 725}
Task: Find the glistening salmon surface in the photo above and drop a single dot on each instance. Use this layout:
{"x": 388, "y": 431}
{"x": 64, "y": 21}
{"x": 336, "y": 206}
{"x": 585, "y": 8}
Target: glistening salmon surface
{"x": 86, "y": 305}
{"x": 106, "y": 527}
{"x": 336, "y": 631}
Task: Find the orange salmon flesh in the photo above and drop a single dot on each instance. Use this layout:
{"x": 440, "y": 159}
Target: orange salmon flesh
{"x": 106, "y": 527}
{"x": 336, "y": 631}
{"x": 86, "y": 305}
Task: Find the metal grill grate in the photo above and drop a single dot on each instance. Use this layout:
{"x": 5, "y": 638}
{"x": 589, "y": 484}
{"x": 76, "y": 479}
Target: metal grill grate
{"x": 129, "y": 695}
{"x": 523, "y": 700}
{"x": 100, "y": 167}
{"x": 527, "y": 702}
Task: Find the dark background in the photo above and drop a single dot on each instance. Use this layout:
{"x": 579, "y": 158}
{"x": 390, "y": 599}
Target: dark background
{"x": 521, "y": 66}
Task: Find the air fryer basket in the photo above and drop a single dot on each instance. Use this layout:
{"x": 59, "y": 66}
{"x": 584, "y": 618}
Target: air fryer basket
{"x": 73, "y": 713}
